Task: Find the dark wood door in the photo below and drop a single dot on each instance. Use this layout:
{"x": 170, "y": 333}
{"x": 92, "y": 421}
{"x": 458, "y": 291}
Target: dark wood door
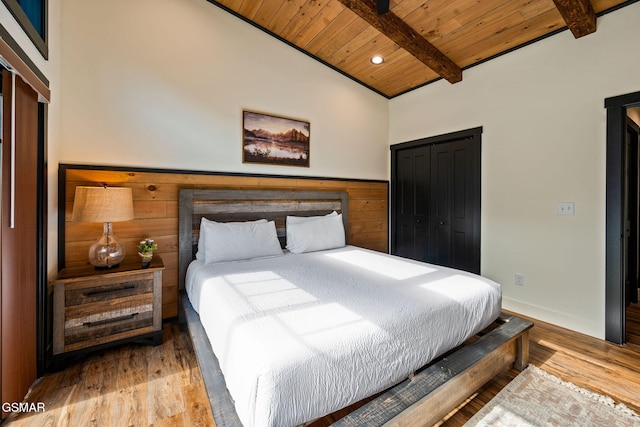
{"x": 412, "y": 209}
{"x": 615, "y": 310}
{"x": 19, "y": 238}
{"x": 455, "y": 205}
{"x": 436, "y": 200}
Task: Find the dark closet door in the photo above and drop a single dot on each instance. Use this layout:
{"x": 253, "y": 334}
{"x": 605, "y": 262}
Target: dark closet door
{"x": 446, "y": 183}
{"x": 19, "y": 239}
{"x": 412, "y": 207}
{"x": 455, "y": 205}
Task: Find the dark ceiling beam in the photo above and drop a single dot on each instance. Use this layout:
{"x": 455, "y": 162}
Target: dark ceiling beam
{"x": 407, "y": 38}
{"x": 579, "y": 16}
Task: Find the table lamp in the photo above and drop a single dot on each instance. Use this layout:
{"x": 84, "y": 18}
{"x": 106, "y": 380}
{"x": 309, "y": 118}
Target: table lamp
{"x": 104, "y": 204}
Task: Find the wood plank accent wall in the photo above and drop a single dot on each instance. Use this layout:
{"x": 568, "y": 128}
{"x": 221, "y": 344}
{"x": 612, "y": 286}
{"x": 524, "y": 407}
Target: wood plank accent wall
{"x": 155, "y": 199}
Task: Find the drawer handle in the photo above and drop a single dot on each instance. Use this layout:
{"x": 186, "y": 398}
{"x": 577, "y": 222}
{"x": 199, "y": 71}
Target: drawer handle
{"x": 107, "y": 321}
{"x": 106, "y": 291}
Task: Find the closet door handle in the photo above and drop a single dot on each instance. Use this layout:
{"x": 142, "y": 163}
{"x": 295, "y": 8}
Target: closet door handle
{"x": 418, "y": 221}
{"x": 441, "y": 222}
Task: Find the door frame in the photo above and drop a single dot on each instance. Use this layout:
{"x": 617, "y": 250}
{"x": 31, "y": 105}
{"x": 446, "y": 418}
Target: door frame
{"x": 472, "y": 133}
{"x": 631, "y": 207}
{"x": 615, "y": 311}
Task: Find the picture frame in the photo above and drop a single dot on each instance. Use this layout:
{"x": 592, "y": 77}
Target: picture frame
{"x": 275, "y": 140}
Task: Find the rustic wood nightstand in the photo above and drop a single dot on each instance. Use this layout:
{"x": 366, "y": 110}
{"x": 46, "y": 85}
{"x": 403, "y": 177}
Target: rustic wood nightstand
{"x": 94, "y": 309}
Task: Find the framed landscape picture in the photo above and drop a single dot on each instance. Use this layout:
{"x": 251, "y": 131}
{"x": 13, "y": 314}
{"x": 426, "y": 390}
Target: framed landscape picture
{"x": 274, "y": 140}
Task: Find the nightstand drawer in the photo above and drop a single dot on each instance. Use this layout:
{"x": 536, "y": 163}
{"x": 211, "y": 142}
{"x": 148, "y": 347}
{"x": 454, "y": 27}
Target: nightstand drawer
{"x": 87, "y": 291}
{"x": 96, "y": 323}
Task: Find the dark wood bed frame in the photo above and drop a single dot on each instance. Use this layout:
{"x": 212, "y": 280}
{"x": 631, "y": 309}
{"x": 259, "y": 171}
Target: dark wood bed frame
{"x": 422, "y": 399}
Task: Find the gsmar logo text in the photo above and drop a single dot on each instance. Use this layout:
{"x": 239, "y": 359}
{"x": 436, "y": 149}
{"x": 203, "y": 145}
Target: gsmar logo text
{"x": 23, "y": 407}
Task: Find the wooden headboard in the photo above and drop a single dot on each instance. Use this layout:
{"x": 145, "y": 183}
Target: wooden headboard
{"x": 241, "y": 205}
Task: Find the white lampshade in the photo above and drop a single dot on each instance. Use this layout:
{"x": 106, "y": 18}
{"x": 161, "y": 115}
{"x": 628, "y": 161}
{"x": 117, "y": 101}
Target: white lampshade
{"x": 107, "y": 205}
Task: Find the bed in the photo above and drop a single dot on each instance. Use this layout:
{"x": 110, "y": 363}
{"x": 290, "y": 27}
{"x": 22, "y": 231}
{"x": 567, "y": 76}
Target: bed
{"x": 285, "y": 338}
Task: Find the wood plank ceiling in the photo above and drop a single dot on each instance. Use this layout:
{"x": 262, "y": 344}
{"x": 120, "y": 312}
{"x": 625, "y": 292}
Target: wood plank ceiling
{"x": 421, "y": 41}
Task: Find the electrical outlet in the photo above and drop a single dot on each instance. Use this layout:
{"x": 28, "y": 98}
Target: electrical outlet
{"x": 519, "y": 279}
{"x": 565, "y": 208}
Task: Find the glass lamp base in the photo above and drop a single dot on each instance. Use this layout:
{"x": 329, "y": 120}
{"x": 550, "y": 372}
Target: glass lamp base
{"x": 107, "y": 252}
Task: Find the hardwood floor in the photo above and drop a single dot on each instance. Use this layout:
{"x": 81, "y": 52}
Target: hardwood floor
{"x": 132, "y": 385}
{"x": 161, "y": 386}
{"x": 633, "y": 323}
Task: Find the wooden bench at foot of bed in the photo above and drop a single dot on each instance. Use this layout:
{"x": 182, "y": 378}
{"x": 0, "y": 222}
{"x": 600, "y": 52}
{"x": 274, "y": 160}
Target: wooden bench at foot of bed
{"x": 431, "y": 394}
{"x": 421, "y": 400}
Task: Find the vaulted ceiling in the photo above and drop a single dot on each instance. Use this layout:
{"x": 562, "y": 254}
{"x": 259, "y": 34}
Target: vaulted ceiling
{"x": 420, "y": 41}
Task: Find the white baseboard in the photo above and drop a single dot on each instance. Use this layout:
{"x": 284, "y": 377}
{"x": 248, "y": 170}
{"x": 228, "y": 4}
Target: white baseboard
{"x": 589, "y": 326}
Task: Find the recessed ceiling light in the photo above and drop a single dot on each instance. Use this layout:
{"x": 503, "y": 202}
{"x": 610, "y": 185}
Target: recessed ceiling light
{"x": 377, "y": 60}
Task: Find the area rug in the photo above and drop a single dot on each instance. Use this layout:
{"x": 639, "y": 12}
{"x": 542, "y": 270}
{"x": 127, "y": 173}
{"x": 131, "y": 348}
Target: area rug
{"x": 537, "y": 398}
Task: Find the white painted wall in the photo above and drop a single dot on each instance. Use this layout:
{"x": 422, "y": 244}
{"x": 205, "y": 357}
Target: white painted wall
{"x": 163, "y": 83}
{"x": 542, "y": 112}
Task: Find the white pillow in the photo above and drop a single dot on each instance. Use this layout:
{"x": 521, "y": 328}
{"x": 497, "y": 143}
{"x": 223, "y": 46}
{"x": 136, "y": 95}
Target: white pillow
{"x": 299, "y": 219}
{"x": 201, "y": 253}
{"x": 319, "y": 234}
{"x": 239, "y": 241}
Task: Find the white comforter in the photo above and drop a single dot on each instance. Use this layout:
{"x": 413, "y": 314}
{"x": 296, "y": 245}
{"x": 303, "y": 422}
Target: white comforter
{"x": 301, "y": 336}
